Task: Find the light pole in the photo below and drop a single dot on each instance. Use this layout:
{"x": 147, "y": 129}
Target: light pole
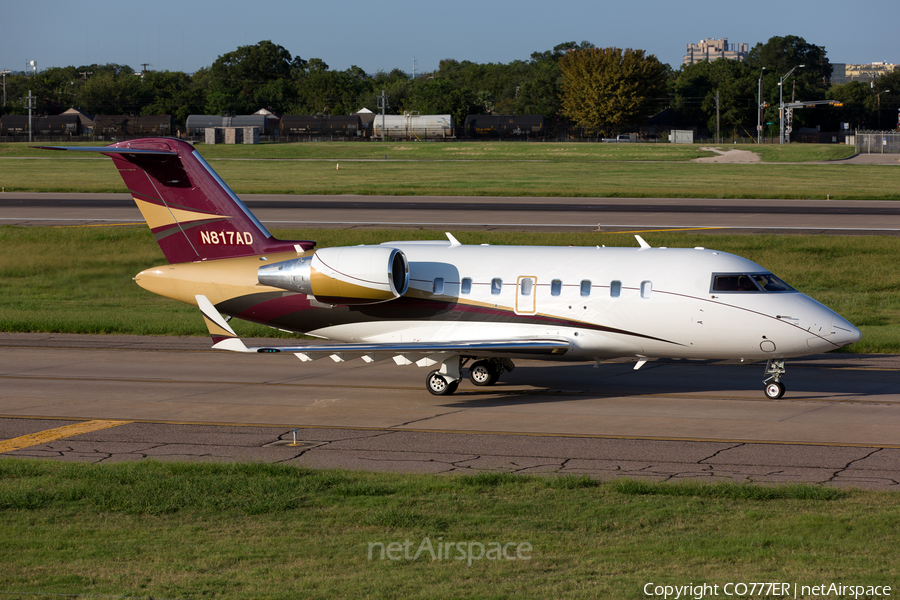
{"x": 781, "y": 103}
{"x": 4, "y": 73}
{"x": 878, "y": 97}
{"x": 759, "y": 107}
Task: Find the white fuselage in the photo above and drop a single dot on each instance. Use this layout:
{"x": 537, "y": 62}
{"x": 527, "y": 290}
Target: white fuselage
{"x": 608, "y": 302}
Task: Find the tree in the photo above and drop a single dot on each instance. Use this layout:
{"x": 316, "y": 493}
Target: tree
{"x": 607, "y": 89}
{"x": 439, "y": 96}
{"x": 888, "y": 86}
{"x": 781, "y": 54}
{"x": 697, "y": 86}
{"x": 171, "y": 93}
{"x": 235, "y": 77}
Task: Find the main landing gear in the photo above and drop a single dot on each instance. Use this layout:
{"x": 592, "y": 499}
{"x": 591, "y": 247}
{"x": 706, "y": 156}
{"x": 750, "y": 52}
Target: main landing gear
{"x": 487, "y": 371}
{"x": 774, "y": 369}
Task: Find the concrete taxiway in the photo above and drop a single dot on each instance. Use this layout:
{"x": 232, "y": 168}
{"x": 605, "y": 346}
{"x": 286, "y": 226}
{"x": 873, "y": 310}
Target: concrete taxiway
{"x": 172, "y": 398}
{"x": 457, "y": 212}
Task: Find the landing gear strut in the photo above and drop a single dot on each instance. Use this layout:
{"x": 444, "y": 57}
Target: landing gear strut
{"x": 774, "y": 369}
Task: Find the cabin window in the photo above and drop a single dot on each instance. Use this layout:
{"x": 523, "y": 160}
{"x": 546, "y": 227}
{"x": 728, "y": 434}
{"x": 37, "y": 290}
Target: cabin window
{"x": 615, "y": 289}
{"x": 585, "y": 287}
{"x": 496, "y": 286}
{"x": 439, "y": 285}
{"x": 742, "y": 283}
{"x": 525, "y": 286}
{"x": 465, "y": 287}
{"x": 555, "y": 287}
{"x": 646, "y": 289}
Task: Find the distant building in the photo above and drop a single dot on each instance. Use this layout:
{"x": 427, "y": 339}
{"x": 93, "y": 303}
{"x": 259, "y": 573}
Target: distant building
{"x": 710, "y": 49}
{"x": 844, "y": 73}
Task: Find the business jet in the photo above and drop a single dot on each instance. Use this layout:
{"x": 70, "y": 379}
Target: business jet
{"x": 448, "y": 306}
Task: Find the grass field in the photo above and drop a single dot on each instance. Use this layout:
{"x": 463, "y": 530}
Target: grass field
{"x": 500, "y": 169}
{"x": 78, "y": 280}
{"x": 271, "y": 531}
{"x": 469, "y": 151}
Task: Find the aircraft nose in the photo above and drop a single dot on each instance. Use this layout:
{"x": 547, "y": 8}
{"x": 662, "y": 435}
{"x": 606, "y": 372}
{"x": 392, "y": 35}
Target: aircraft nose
{"x": 843, "y": 331}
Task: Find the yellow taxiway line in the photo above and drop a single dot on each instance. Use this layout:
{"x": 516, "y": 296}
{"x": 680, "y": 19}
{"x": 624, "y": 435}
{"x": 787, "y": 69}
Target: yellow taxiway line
{"x": 50, "y": 435}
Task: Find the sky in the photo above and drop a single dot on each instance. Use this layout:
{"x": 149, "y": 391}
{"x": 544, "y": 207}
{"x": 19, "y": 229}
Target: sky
{"x": 187, "y": 35}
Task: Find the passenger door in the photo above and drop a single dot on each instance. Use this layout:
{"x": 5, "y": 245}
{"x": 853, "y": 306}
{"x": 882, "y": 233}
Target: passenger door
{"x": 526, "y": 288}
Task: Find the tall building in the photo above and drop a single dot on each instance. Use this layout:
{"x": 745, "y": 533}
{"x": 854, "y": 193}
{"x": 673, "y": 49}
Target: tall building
{"x": 710, "y": 49}
{"x": 844, "y": 73}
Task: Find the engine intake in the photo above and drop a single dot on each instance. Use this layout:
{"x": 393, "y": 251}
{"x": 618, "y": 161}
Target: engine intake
{"x": 343, "y": 275}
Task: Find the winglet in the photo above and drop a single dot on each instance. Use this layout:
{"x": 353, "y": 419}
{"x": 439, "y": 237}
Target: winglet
{"x": 223, "y": 336}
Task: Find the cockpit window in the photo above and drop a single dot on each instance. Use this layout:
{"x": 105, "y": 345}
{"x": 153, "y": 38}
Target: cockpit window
{"x": 742, "y": 283}
{"x": 770, "y": 283}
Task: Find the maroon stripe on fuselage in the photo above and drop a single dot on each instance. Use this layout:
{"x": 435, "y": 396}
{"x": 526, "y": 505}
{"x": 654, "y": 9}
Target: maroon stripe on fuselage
{"x": 294, "y": 312}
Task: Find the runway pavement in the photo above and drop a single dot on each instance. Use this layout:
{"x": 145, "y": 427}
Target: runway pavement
{"x": 173, "y": 399}
{"x": 461, "y": 213}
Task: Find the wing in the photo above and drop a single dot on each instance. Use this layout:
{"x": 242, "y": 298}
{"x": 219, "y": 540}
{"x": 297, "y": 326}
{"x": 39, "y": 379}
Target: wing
{"x": 422, "y": 354}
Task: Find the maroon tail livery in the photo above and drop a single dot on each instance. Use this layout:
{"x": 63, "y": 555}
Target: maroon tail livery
{"x": 192, "y": 213}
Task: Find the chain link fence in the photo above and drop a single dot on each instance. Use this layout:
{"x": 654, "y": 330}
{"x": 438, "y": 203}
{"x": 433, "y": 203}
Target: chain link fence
{"x": 876, "y": 142}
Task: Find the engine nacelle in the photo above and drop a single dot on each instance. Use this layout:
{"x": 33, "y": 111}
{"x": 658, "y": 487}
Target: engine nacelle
{"x": 344, "y": 275}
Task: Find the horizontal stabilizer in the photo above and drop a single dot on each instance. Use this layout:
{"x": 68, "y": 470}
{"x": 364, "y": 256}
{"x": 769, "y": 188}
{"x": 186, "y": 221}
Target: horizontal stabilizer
{"x": 106, "y": 150}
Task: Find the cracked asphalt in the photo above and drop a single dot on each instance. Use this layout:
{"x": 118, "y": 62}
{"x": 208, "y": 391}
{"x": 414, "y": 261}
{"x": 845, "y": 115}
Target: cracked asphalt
{"x": 435, "y": 452}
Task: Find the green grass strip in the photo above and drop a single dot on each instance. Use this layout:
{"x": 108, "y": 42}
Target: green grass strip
{"x": 234, "y": 531}
{"x": 541, "y": 170}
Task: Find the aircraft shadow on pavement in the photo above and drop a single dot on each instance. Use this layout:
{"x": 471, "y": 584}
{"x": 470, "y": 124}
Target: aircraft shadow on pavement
{"x": 662, "y": 378}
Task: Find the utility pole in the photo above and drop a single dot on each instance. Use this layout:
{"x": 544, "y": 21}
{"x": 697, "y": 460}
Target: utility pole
{"x": 382, "y": 104}
{"x": 781, "y": 102}
{"x": 4, "y": 73}
{"x": 29, "y": 102}
{"x": 717, "y": 116}
{"x": 877, "y": 97}
{"x": 759, "y": 107}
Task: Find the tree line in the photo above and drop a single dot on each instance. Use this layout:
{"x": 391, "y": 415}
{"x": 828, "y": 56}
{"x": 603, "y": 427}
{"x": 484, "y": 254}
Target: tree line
{"x": 603, "y": 90}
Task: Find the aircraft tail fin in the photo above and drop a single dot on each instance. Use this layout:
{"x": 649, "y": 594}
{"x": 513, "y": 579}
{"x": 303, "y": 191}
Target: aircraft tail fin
{"x": 192, "y": 213}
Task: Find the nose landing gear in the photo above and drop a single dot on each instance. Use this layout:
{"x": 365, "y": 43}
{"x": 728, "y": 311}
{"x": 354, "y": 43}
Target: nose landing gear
{"x": 774, "y": 369}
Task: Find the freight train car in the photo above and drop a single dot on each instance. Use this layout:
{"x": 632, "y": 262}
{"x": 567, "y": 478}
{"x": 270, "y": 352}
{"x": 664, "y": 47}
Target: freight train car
{"x": 59, "y": 125}
{"x": 14, "y": 125}
{"x": 115, "y": 126}
{"x": 495, "y": 127}
{"x": 197, "y": 124}
{"x": 412, "y": 126}
{"x": 306, "y": 126}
